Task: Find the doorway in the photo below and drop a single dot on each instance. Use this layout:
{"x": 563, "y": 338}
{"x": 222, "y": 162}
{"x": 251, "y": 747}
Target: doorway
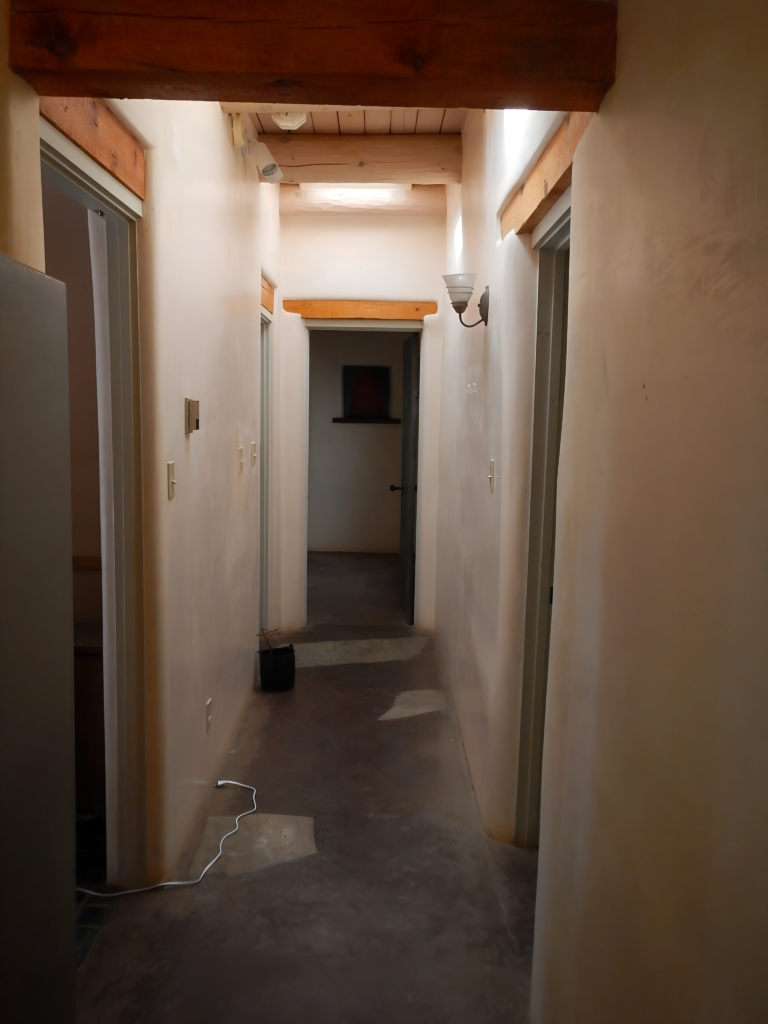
{"x": 264, "y": 478}
{"x": 363, "y": 445}
{"x": 553, "y": 242}
{"x": 90, "y": 242}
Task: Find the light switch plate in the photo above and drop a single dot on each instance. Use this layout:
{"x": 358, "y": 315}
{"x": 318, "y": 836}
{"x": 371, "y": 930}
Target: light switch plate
{"x": 191, "y": 415}
{"x": 208, "y": 714}
{"x": 171, "y": 481}
{"x": 492, "y": 475}
{"x": 240, "y": 460}
{"x": 254, "y": 453}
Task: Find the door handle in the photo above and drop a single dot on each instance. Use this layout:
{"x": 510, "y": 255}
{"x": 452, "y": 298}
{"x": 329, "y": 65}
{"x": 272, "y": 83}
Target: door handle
{"x": 393, "y": 488}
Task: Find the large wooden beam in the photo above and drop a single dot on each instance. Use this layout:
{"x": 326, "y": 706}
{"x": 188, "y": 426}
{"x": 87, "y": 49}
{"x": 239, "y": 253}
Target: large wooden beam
{"x": 541, "y": 54}
{"x": 359, "y": 309}
{"x": 550, "y": 177}
{"x": 92, "y": 126}
{"x": 411, "y": 159}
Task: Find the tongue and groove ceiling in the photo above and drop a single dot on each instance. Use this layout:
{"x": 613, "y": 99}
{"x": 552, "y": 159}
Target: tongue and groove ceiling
{"x": 366, "y": 121}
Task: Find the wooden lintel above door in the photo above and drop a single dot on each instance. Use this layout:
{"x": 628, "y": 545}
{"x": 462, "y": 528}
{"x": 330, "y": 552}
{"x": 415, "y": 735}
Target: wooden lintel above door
{"x": 359, "y": 309}
{"x": 539, "y": 54}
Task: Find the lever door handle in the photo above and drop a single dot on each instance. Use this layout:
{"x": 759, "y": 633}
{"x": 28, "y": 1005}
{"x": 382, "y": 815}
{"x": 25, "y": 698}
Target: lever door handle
{"x": 393, "y": 488}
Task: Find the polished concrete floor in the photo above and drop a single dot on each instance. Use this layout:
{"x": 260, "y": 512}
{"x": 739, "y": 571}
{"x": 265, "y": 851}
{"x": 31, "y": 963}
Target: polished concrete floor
{"x": 406, "y": 912}
{"x": 353, "y": 589}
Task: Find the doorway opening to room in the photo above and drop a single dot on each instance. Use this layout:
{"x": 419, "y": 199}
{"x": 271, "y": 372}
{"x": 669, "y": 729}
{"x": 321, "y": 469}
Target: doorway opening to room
{"x": 363, "y": 476}
{"x": 552, "y": 239}
{"x": 90, "y": 245}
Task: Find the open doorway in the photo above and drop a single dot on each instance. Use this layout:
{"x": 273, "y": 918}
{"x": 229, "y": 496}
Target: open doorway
{"x": 363, "y": 445}
{"x": 553, "y": 240}
{"x": 90, "y": 245}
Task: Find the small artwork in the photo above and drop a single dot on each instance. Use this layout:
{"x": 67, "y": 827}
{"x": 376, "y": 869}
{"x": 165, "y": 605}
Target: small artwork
{"x": 365, "y": 395}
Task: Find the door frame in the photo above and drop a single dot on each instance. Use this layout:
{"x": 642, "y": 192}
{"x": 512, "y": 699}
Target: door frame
{"x": 91, "y": 186}
{"x": 264, "y": 460}
{"x": 553, "y": 244}
{"x": 356, "y": 324}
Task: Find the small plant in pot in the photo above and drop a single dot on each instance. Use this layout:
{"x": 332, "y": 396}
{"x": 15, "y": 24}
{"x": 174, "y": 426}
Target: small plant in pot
{"x": 277, "y": 665}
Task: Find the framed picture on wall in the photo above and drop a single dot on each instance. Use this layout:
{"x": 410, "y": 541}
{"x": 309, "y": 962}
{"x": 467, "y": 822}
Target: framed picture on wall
{"x": 365, "y": 395}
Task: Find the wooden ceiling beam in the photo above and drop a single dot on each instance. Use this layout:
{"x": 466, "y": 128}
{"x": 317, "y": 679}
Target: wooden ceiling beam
{"x": 92, "y": 126}
{"x": 540, "y": 54}
{"x": 410, "y": 159}
{"x": 548, "y": 180}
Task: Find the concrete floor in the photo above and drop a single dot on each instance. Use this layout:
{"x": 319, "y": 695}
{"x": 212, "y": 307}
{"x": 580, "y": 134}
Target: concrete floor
{"x": 406, "y": 913}
{"x": 349, "y": 589}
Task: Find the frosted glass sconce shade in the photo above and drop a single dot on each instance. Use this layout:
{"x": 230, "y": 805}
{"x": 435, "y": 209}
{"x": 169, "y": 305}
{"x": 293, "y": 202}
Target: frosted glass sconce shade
{"x": 460, "y": 288}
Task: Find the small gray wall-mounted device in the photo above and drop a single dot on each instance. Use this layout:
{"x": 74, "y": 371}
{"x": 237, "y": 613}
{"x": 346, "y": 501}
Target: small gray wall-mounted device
{"x": 191, "y": 415}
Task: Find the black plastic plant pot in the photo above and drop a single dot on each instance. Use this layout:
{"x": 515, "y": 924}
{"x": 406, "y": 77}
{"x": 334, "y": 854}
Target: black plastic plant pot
{"x": 277, "y": 669}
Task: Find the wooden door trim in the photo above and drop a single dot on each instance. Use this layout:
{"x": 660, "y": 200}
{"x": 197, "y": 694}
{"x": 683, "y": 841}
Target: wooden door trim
{"x": 359, "y": 309}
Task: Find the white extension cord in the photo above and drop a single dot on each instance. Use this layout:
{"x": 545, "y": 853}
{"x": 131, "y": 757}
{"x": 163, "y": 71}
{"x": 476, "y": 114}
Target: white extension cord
{"x": 166, "y": 885}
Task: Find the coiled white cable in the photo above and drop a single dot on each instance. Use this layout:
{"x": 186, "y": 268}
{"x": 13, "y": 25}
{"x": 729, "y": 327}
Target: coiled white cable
{"x": 195, "y": 881}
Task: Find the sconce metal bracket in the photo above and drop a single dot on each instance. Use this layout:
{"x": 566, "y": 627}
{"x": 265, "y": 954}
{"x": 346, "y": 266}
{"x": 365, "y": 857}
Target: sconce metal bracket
{"x": 482, "y": 309}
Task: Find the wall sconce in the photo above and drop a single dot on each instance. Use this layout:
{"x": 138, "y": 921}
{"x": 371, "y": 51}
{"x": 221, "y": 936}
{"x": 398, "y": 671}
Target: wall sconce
{"x": 243, "y": 136}
{"x": 460, "y": 288}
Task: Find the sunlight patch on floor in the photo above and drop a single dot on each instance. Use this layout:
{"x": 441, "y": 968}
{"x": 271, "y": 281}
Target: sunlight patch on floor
{"x": 358, "y": 652}
{"x": 417, "y": 702}
{"x": 261, "y": 840}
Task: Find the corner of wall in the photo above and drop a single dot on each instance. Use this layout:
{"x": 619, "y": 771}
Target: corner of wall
{"x": 21, "y": 197}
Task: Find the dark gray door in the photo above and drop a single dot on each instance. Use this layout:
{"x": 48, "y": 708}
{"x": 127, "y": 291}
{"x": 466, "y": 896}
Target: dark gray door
{"x": 411, "y": 349}
{"x": 37, "y": 727}
{"x": 549, "y": 384}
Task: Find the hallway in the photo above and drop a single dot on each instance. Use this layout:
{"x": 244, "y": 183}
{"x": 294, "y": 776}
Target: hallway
{"x": 406, "y": 912}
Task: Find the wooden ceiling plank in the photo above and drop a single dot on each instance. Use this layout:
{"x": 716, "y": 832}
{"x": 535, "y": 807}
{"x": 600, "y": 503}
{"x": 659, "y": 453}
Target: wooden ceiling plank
{"x": 268, "y": 125}
{"x": 411, "y": 115}
{"x": 454, "y": 119}
{"x": 352, "y": 122}
{"x": 378, "y": 122}
{"x": 92, "y": 126}
{"x": 539, "y": 54}
{"x": 410, "y": 159}
{"x": 397, "y": 122}
{"x": 326, "y": 122}
{"x": 308, "y": 128}
{"x": 429, "y": 120}
{"x": 550, "y": 177}
{"x": 359, "y": 309}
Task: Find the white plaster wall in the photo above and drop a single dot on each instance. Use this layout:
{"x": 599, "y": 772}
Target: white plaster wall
{"x": 357, "y": 257}
{"x": 351, "y": 465}
{"x": 199, "y": 268}
{"x": 653, "y": 893}
{"x": 487, "y": 408}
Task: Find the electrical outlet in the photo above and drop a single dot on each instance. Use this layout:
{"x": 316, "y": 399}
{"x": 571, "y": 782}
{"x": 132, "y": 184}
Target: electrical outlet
{"x": 208, "y": 713}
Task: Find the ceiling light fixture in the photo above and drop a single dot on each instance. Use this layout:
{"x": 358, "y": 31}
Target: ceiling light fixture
{"x": 289, "y": 121}
{"x": 243, "y": 136}
{"x": 354, "y": 194}
{"x": 460, "y": 288}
